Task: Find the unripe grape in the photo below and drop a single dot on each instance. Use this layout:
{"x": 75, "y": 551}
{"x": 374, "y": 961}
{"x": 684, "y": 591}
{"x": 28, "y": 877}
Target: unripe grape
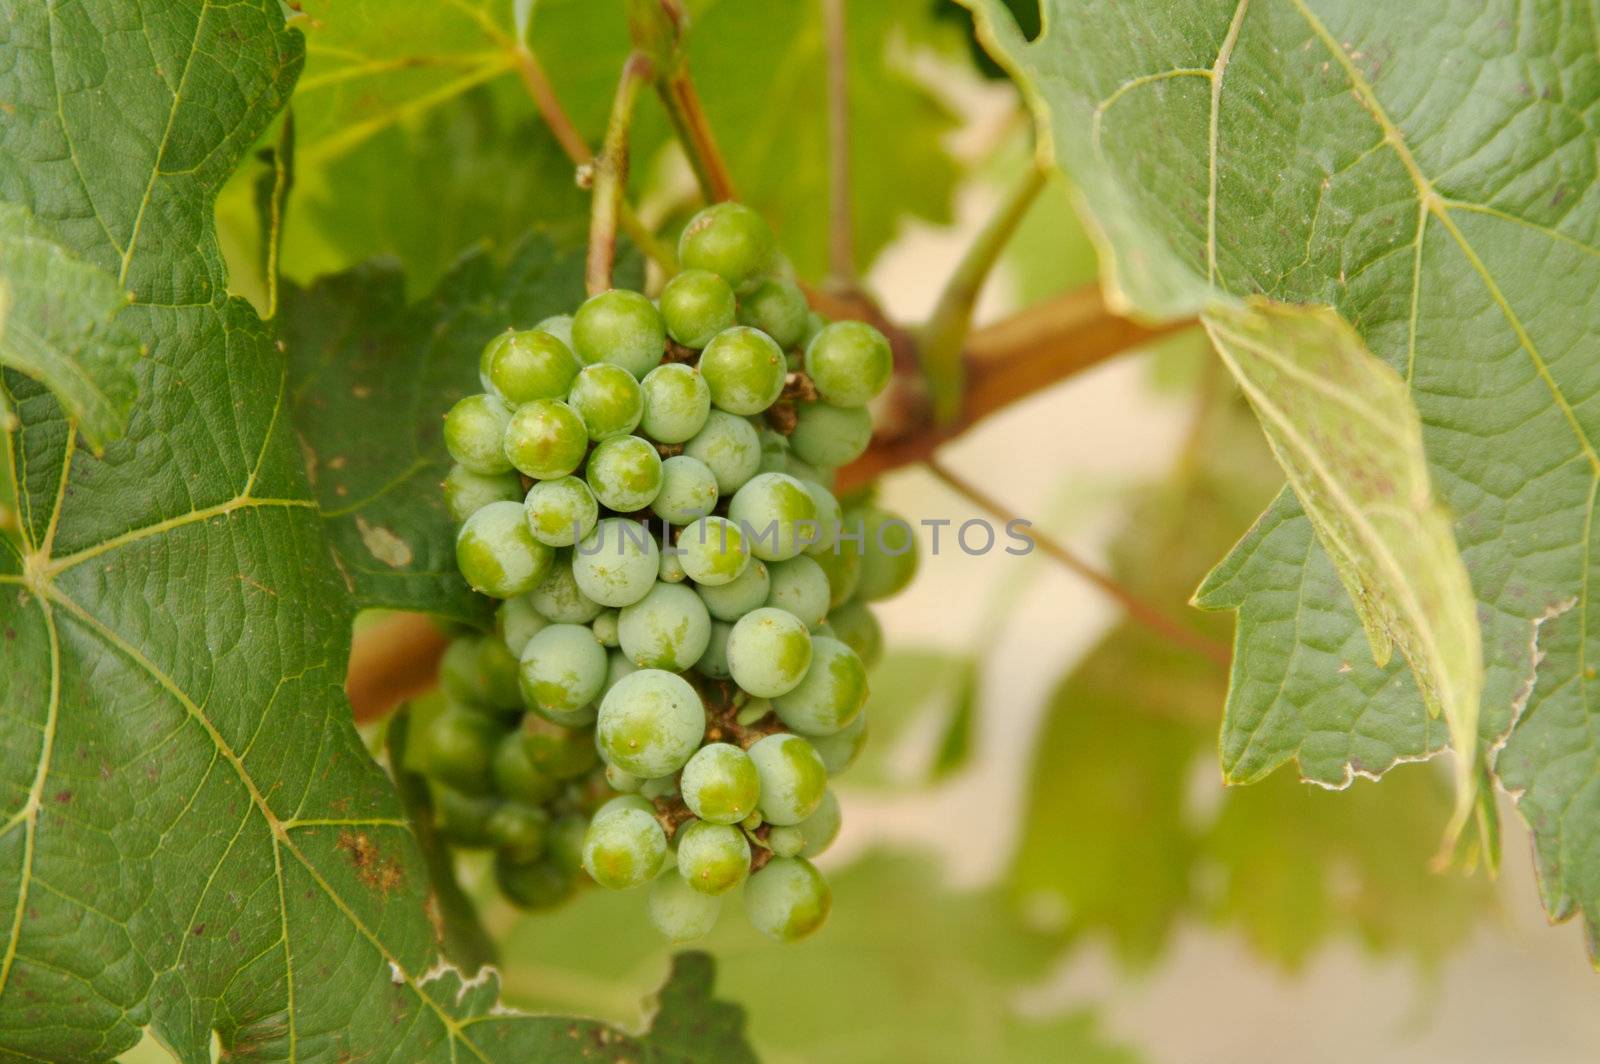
{"x": 667, "y": 629}
{"x": 517, "y": 777}
{"x": 559, "y": 598}
{"x": 828, "y": 435}
{"x": 622, "y": 782}
{"x": 800, "y": 586}
{"x": 563, "y": 670}
{"x": 745, "y": 370}
{"x": 497, "y": 554}
{"x": 769, "y": 651}
{"x": 720, "y": 784}
{"x": 788, "y": 899}
{"x": 815, "y": 323}
{"x": 888, "y": 553}
{"x": 730, "y": 601}
{"x": 617, "y": 666}
{"x": 831, "y": 694}
{"x": 466, "y": 492}
{"x": 474, "y": 434}
{"x": 680, "y": 912}
{"x": 517, "y": 830}
{"x": 660, "y": 787}
{"x": 786, "y": 841}
{"x": 616, "y": 564}
{"x": 463, "y": 819}
{"x": 461, "y": 673}
{"x": 821, "y": 827}
{"x": 546, "y": 439}
{"x": 842, "y": 566}
{"x": 774, "y": 451}
{"x": 855, "y": 626}
{"x": 714, "y": 662}
{"x": 625, "y": 844}
{"x": 829, "y": 517}
{"x": 778, "y": 308}
{"x": 777, "y": 515}
{"x": 840, "y": 750}
{"x": 532, "y": 885}
{"x": 620, "y": 327}
{"x": 561, "y": 511}
{"x": 486, "y": 358}
{"x": 650, "y": 723}
{"x": 713, "y": 551}
{"x": 730, "y": 240}
{"x": 625, "y": 473}
{"x": 729, "y": 447}
{"x": 559, "y": 326}
{"x": 560, "y": 752}
{"x": 677, "y": 402}
{"x": 519, "y": 620}
{"x": 696, "y": 305}
{"x": 688, "y": 490}
{"x": 671, "y": 570}
{"x": 498, "y": 667}
{"x": 564, "y": 845}
{"x": 532, "y": 365}
{"x": 608, "y": 399}
{"x": 850, "y": 363}
{"x": 604, "y": 627}
{"x": 792, "y": 778}
{"x": 457, "y": 747}
{"x": 712, "y": 858}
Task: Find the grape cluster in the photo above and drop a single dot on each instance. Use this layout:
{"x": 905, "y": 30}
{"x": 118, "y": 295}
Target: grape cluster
{"x": 680, "y": 662}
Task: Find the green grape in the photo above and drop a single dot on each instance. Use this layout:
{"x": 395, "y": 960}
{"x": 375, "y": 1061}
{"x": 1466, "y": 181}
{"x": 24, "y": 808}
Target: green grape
{"x": 605, "y": 628}
{"x": 474, "y": 434}
{"x": 744, "y": 369}
{"x": 774, "y": 451}
{"x": 563, "y": 670}
{"x": 888, "y": 552}
{"x": 815, "y": 323}
{"x": 677, "y": 402}
{"x": 753, "y": 710}
{"x": 560, "y": 752}
{"x": 660, "y": 787}
{"x": 776, "y": 514}
{"x": 517, "y": 830}
{"x": 518, "y": 778}
{"x": 461, "y": 672}
{"x": 788, "y": 899}
{"x": 840, "y": 750}
{"x": 696, "y": 305}
{"x": 486, "y": 358}
{"x": 786, "y": 841}
{"x": 769, "y": 651}
{"x": 826, "y": 629}
{"x": 559, "y": 598}
{"x": 561, "y": 511}
{"x": 498, "y": 667}
{"x": 831, "y": 694}
{"x": 792, "y": 778}
{"x": 463, "y": 819}
{"x": 800, "y": 586}
{"x": 546, "y": 439}
{"x": 622, "y": 782}
{"x": 850, "y": 363}
{"x": 842, "y": 566}
{"x": 713, "y": 551}
{"x": 498, "y": 555}
{"x": 778, "y": 308}
{"x": 625, "y": 473}
{"x": 650, "y": 723}
{"x": 688, "y": 490}
{"x": 729, "y": 447}
{"x": 620, "y": 327}
{"x": 730, "y": 240}
{"x": 616, "y": 564}
{"x": 822, "y": 827}
{"x": 671, "y": 570}
{"x": 712, "y": 858}
{"x": 625, "y": 844}
{"x": 714, "y": 662}
{"x": 466, "y": 492}
{"x": 829, "y": 517}
{"x": 532, "y": 365}
{"x": 720, "y": 784}
{"x": 559, "y": 326}
{"x": 805, "y": 471}
{"x": 617, "y": 666}
{"x": 827, "y": 435}
{"x": 855, "y": 626}
{"x": 751, "y": 822}
{"x": 608, "y": 399}
{"x": 457, "y": 747}
{"x": 532, "y": 885}
{"x": 667, "y": 629}
{"x": 519, "y": 620}
{"x": 680, "y": 912}
{"x": 564, "y": 846}
{"x": 730, "y": 601}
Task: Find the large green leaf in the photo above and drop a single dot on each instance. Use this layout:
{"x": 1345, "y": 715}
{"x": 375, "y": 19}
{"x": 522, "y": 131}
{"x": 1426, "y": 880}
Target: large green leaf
{"x": 58, "y": 324}
{"x": 195, "y": 840}
{"x": 1429, "y": 171}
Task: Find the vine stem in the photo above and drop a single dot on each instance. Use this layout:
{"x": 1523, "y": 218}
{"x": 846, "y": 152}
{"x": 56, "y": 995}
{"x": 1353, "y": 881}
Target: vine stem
{"x": 946, "y": 330}
{"x": 841, "y": 223}
{"x": 1145, "y": 613}
{"x": 657, "y": 28}
{"x": 611, "y": 174}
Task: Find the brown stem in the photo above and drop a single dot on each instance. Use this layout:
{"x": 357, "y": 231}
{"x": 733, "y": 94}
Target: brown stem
{"x": 1145, "y": 613}
{"x": 841, "y": 227}
{"x": 391, "y": 661}
{"x": 611, "y": 174}
{"x": 689, "y": 120}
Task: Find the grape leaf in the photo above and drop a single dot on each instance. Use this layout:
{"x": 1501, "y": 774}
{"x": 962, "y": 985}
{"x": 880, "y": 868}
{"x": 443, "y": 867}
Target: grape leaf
{"x": 58, "y": 324}
{"x": 1430, "y": 173}
{"x": 371, "y": 378}
{"x": 195, "y": 840}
